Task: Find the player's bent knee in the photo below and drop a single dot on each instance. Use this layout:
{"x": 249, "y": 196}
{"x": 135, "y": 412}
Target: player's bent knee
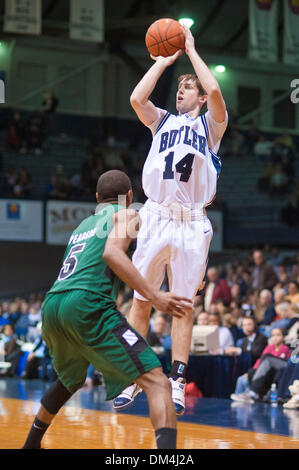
{"x": 154, "y": 380}
{"x": 55, "y": 397}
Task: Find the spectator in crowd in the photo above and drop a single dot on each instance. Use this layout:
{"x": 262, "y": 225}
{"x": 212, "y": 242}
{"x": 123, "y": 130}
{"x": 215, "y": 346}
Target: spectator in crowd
{"x": 281, "y": 320}
{"x": 34, "y": 133}
{"x": 215, "y": 289}
{"x": 263, "y": 149}
{"x": 293, "y": 293}
{"x": 34, "y": 358}
{"x": 202, "y": 318}
{"x": 253, "y": 343}
{"x": 225, "y": 337}
{"x": 34, "y": 318}
{"x": 279, "y": 183}
{"x": 11, "y": 350}
{"x": 4, "y": 316}
{"x": 292, "y": 330}
{"x": 265, "y": 370}
{"x": 23, "y": 322}
{"x": 49, "y": 103}
{"x": 263, "y": 275}
{"x": 15, "y": 132}
{"x": 160, "y": 336}
{"x": 265, "y": 311}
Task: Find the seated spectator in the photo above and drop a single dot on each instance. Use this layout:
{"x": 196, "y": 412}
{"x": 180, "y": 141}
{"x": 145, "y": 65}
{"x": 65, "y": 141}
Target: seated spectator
{"x": 279, "y": 181}
{"x": 230, "y": 322}
{"x": 281, "y": 320}
{"x": 34, "y": 358}
{"x": 254, "y": 342}
{"x": 293, "y": 293}
{"x": 4, "y": 317}
{"x": 34, "y": 318}
{"x": 266, "y": 370}
{"x": 263, "y": 148}
{"x": 159, "y": 337}
{"x": 23, "y": 322}
{"x": 265, "y": 311}
{"x": 11, "y": 350}
{"x": 292, "y": 330}
{"x": 49, "y": 103}
{"x": 202, "y": 318}
{"x": 263, "y": 275}
{"x": 225, "y": 337}
{"x": 215, "y": 289}
{"x": 15, "y": 131}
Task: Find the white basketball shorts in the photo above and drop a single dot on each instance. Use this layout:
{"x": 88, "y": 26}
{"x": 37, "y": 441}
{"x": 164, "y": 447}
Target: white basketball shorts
{"x": 176, "y": 242}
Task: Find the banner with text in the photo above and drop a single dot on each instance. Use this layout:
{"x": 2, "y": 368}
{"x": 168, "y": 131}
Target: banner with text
{"x": 62, "y": 217}
{"x": 291, "y": 32}
{"x": 23, "y": 16}
{"x": 263, "y": 29}
{"x": 87, "y": 20}
{"x": 21, "y": 220}
{"x": 216, "y": 218}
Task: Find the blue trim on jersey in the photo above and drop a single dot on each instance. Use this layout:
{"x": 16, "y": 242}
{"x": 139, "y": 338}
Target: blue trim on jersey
{"x": 216, "y": 162}
{"x": 207, "y": 127}
{"x": 204, "y": 123}
{"x": 162, "y": 122}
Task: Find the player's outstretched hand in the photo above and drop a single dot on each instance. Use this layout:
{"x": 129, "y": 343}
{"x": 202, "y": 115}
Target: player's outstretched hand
{"x": 168, "y": 60}
{"x": 173, "y": 304}
{"x": 189, "y": 39}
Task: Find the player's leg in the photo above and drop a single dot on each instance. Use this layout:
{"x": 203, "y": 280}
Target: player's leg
{"x": 186, "y": 272}
{"x": 150, "y": 258}
{"x": 162, "y": 412}
{"x": 139, "y": 317}
{"x": 51, "y": 403}
{"x": 68, "y": 362}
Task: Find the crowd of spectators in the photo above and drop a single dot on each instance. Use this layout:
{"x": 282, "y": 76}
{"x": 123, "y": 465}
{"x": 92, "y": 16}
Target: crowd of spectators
{"x": 254, "y": 301}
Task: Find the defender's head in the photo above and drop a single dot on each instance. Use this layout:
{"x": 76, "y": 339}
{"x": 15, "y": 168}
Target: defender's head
{"x": 112, "y": 185}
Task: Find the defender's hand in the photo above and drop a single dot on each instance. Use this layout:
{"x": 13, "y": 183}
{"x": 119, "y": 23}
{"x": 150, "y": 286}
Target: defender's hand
{"x": 172, "y": 304}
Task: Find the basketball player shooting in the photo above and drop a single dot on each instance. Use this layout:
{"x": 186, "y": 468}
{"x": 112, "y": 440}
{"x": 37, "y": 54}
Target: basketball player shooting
{"x": 179, "y": 178}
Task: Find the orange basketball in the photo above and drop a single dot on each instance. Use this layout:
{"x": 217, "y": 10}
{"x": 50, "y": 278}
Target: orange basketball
{"x": 164, "y": 37}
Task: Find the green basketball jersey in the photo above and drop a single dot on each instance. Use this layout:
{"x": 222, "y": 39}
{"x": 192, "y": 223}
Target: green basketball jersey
{"x": 83, "y": 266}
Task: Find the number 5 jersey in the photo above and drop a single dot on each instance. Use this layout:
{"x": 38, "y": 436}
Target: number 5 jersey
{"x": 83, "y": 266}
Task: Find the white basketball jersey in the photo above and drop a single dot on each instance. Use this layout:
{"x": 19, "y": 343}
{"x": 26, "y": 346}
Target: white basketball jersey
{"x": 180, "y": 167}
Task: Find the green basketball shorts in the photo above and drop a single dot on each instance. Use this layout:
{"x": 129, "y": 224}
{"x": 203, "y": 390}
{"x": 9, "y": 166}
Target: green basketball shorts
{"x": 78, "y": 332}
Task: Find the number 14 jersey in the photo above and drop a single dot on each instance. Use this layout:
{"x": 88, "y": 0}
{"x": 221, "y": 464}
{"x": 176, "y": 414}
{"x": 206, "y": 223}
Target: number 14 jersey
{"x": 182, "y": 165}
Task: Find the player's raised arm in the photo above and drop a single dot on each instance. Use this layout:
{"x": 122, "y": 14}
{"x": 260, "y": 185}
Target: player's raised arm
{"x": 215, "y": 102}
{"x": 139, "y": 99}
{"x": 124, "y": 231}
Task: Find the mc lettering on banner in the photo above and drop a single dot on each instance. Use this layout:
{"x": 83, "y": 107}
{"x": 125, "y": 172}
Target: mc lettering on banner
{"x": 21, "y": 220}
{"x": 23, "y": 16}
{"x": 87, "y": 20}
{"x": 263, "y": 15}
{"x": 62, "y": 217}
{"x": 291, "y": 32}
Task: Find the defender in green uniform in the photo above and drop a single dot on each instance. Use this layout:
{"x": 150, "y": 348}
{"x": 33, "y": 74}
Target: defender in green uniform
{"x": 82, "y": 326}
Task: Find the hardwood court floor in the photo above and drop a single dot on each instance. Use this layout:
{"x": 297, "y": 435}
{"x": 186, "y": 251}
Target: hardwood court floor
{"x": 95, "y": 426}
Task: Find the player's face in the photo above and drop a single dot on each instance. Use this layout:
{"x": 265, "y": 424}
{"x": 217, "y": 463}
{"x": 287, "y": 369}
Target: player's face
{"x": 187, "y": 97}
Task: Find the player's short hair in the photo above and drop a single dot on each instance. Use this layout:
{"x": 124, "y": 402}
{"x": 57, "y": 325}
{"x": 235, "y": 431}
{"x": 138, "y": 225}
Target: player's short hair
{"x": 112, "y": 184}
{"x": 193, "y": 78}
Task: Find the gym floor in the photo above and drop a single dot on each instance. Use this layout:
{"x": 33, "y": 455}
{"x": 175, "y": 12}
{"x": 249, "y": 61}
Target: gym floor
{"x": 89, "y": 422}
